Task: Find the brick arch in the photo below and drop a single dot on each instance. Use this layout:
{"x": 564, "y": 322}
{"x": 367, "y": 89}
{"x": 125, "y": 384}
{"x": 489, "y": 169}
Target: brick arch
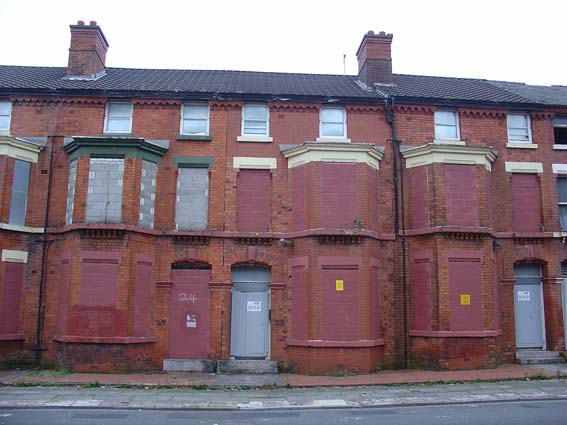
{"x": 198, "y": 265}
{"x": 192, "y": 255}
{"x": 251, "y": 263}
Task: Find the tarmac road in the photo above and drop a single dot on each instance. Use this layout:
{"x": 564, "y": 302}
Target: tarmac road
{"x": 552, "y": 412}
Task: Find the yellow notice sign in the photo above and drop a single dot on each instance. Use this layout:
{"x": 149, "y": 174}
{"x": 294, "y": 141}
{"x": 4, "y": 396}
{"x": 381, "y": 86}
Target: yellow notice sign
{"x": 339, "y": 285}
{"x": 465, "y": 299}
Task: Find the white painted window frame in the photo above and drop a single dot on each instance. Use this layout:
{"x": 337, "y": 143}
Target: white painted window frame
{"x": 185, "y": 118}
{"x": 344, "y": 122}
{"x": 457, "y": 125}
{"x": 529, "y": 128}
{"x": 5, "y": 130}
{"x": 106, "y": 117}
{"x": 255, "y": 135}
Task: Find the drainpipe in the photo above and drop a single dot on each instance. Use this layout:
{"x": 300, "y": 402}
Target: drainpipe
{"x": 38, "y": 349}
{"x": 399, "y": 223}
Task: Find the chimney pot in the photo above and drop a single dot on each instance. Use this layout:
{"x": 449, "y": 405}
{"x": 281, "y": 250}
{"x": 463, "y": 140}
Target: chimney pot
{"x": 93, "y": 24}
{"x": 375, "y": 58}
{"x": 81, "y": 23}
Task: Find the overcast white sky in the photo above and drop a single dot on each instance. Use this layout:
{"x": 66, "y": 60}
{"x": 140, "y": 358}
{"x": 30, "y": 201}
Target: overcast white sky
{"x": 502, "y": 40}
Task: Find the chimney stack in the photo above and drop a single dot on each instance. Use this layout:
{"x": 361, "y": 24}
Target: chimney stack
{"x": 375, "y": 58}
{"x": 87, "y": 53}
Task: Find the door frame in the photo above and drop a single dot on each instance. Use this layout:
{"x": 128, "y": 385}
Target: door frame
{"x": 268, "y": 315}
{"x": 542, "y": 310}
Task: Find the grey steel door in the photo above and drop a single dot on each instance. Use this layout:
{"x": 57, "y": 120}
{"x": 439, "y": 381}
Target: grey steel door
{"x": 528, "y": 306}
{"x": 564, "y": 276}
{"x": 249, "y": 336}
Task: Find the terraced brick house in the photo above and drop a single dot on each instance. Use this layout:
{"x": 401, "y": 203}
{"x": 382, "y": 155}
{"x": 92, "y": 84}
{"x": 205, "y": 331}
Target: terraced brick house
{"x": 154, "y": 218}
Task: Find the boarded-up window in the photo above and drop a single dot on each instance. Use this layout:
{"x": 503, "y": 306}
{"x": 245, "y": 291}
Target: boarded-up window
{"x": 299, "y": 302}
{"x": 562, "y": 197}
{"x": 373, "y": 199}
{"x": 465, "y": 294}
{"x": 338, "y": 195}
{"x": 374, "y": 302}
{"x": 421, "y": 274}
{"x": 104, "y": 199}
{"x": 461, "y": 195}
{"x": 419, "y": 210}
{"x": 99, "y": 278}
{"x": 10, "y": 301}
{"x": 298, "y": 198}
{"x": 254, "y": 200}
{"x": 526, "y": 208}
{"x": 340, "y": 310}
{"x": 142, "y": 302}
{"x": 71, "y": 192}
{"x": 192, "y": 202}
{"x": 19, "y": 198}
{"x": 147, "y": 194}
{"x": 63, "y": 296}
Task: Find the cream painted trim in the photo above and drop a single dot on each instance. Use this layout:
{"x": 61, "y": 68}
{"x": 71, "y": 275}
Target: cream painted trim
{"x": 9, "y": 256}
{"x": 522, "y": 145}
{"x": 19, "y": 149}
{"x": 332, "y": 140}
{"x": 523, "y": 167}
{"x": 244, "y": 162}
{"x": 449, "y": 142}
{"x": 22, "y": 229}
{"x": 449, "y": 154}
{"x": 333, "y": 152}
{"x": 560, "y": 147}
{"x": 256, "y": 139}
{"x": 559, "y": 168}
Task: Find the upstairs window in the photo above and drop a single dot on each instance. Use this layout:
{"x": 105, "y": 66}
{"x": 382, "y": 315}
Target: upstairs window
{"x": 19, "y": 198}
{"x": 71, "y": 192}
{"x": 560, "y": 129}
{"x": 446, "y": 125}
{"x": 118, "y": 118}
{"x": 195, "y": 119}
{"x": 255, "y": 120}
{"x": 5, "y": 115}
{"x": 148, "y": 194}
{"x": 562, "y": 198}
{"x": 104, "y": 198}
{"x": 192, "y": 202}
{"x": 519, "y": 128}
{"x": 333, "y": 122}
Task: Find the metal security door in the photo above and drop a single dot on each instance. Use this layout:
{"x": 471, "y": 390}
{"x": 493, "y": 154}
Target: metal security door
{"x": 250, "y": 313}
{"x": 564, "y": 276}
{"x": 528, "y": 306}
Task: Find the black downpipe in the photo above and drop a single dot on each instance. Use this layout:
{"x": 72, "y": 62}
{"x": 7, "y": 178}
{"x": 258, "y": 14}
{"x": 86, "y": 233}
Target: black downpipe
{"x": 399, "y": 225}
{"x": 43, "y": 276}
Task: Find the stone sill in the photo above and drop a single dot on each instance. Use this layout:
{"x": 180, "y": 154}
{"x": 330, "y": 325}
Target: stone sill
{"x": 194, "y": 137}
{"x": 107, "y": 340}
{"x": 22, "y": 229}
{"x": 449, "y": 142}
{"x": 255, "y": 139}
{"x": 521, "y": 145}
{"x": 12, "y": 337}
{"x": 326, "y": 344}
{"x": 456, "y": 334}
{"x": 333, "y": 140}
{"x": 560, "y": 147}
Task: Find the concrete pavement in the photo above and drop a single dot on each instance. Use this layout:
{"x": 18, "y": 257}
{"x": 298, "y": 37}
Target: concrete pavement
{"x": 280, "y": 398}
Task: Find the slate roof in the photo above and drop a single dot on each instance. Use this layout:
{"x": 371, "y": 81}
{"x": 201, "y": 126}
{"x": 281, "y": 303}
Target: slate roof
{"x": 270, "y": 85}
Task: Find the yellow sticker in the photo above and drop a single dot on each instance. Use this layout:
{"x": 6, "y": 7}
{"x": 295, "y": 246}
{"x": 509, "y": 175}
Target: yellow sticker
{"x": 339, "y": 285}
{"x": 465, "y": 299}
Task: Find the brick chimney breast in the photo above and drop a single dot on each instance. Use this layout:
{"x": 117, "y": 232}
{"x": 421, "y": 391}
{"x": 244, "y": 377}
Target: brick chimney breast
{"x": 87, "y": 52}
{"x": 375, "y": 58}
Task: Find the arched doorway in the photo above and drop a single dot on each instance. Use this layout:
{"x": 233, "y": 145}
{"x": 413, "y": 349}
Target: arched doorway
{"x": 528, "y": 306}
{"x": 250, "y": 327}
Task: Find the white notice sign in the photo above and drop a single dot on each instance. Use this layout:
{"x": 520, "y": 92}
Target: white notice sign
{"x": 524, "y": 296}
{"x": 254, "y": 306}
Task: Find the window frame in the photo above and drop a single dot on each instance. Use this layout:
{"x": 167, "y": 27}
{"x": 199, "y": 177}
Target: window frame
{"x": 457, "y": 125}
{"x": 559, "y": 122}
{"x": 9, "y": 115}
{"x": 243, "y": 120}
{"x": 528, "y": 127}
{"x": 107, "y": 113}
{"x": 184, "y": 118}
{"x": 19, "y": 220}
{"x": 561, "y": 203}
{"x": 344, "y": 122}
